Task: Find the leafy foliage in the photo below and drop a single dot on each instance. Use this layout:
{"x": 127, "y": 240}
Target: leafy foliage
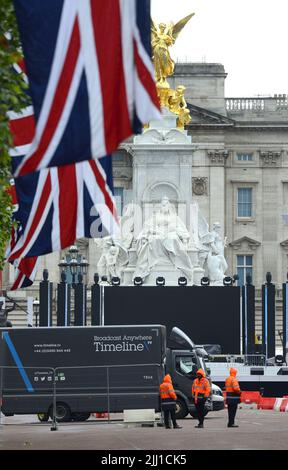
{"x": 13, "y": 97}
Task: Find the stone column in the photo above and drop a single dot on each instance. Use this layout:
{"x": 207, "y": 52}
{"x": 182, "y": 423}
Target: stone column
{"x": 217, "y": 187}
{"x": 271, "y": 162}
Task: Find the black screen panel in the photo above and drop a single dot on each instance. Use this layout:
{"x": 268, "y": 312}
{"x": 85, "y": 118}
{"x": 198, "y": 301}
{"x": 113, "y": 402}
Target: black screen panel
{"x": 208, "y": 315}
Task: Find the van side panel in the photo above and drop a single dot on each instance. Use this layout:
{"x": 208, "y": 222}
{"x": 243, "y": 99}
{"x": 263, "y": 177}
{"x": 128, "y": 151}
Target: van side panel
{"x": 96, "y": 368}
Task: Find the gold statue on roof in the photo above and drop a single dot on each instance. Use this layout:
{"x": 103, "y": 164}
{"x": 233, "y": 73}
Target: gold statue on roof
{"x": 163, "y": 37}
{"x": 177, "y": 105}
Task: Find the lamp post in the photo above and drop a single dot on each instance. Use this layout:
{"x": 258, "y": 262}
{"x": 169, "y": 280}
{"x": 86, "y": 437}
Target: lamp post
{"x": 84, "y": 266}
{"x": 73, "y": 266}
{"x": 268, "y": 316}
{"x": 76, "y": 265}
{"x": 36, "y": 308}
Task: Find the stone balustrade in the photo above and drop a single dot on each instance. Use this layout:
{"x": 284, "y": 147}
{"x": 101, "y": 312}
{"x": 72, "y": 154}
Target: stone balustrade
{"x": 257, "y": 104}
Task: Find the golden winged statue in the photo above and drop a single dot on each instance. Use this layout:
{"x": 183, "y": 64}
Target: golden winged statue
{"x": 163, "y": 37}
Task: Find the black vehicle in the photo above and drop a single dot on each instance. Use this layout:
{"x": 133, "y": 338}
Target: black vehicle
{"x": 183, "y": 359}
{"x": 109, "y": 368}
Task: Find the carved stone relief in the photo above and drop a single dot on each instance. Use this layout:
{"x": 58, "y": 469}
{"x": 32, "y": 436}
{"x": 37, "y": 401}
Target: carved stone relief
{"x": 200, "y": 186}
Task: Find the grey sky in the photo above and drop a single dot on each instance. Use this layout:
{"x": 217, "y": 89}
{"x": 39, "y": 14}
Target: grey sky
{"x": 249, "y": 37}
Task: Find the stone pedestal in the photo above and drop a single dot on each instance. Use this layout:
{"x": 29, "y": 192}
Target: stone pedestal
{"x": 166, "y": 270}
{"x": 162, "y": 166}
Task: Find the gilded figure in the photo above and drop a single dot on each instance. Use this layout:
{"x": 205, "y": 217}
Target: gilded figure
{"x": 177, "y": 105}
{"x": 163, "y": 37}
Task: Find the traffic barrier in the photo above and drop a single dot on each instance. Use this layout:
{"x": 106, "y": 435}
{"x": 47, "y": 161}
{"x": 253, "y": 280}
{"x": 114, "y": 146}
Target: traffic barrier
{"x": 266, "y": 403}
{"x": 281, "y": 404}
{"x": 277, "y": 404}
{"x": 253, "y": 400}
{"x": 284, "y": 404}
{"x": 247, "y": 398}
{"x": 250, "y": 397}
{"x": 101, "y": 415}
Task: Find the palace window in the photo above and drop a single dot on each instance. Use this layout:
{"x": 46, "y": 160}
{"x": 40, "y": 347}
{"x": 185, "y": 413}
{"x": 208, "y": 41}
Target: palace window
{"x": 244, "y": 157}
{"x": 244, "y": 202}
{"x": 244, "y": 268}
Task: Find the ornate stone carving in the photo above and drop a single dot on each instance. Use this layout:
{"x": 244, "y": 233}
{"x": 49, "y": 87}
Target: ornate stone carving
{"x": 245, "y": 241}
{"x": 270, "y": 158}
{"x": 163, "y": 189}
{"x": 186, "y": 159}
{"x": 284, "y": 245}
{"x": 122, "y": 172}
{"x": 218, "y": 157}
{"x": 212, "y": 252}
{"x": 200, "y": 186}
{"x": 163, "y": 137}
{"x": 129, "y": 149}
{"x": 163, "y": 239}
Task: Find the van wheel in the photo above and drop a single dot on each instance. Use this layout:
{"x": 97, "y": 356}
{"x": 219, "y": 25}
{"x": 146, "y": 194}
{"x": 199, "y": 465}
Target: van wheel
{"x": 43, "y": 417}
{"x": 80, "y": 416}
{"x": 181, "y": 409}
{"x": 63, "y": 412}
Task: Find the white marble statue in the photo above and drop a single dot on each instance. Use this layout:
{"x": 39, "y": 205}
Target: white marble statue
{"x": 164, "y": 237}
{"x": 127, "y": 226}
{"x": 213, "y": 246}
{"x": 113, "y": 258}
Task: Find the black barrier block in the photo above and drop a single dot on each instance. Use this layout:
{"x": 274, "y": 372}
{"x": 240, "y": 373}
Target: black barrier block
{"x": 285, "y": 318}
{"x": 63, "y": 304}
{"x": 268, "y": 319}
{"x": 95, "y": 305}
{"x": 248, "y": 319}
{"x": 45, "y": 303}
{"x": 80, "y": 301}
{"x": 207, "y": 315}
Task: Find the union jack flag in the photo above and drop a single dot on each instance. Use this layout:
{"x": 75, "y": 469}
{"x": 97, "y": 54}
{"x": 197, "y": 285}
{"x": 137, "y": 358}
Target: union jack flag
{"x": 55, "y": 206}
{"x": 27, "y": 267}
{"x": 91, "y": 79}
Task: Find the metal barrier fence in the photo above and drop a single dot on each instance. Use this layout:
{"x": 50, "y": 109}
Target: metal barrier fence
{"x": 239, "y": 359}
{"x": 76, "y": 389}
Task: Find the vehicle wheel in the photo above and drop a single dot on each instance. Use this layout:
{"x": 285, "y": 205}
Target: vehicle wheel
{"x": 43, "y": 417}
{"x": 63, "y": 412}
{"x": 194, "y": 414}
{"x": 80, "y": 416}
{"x": 181, "y": 409}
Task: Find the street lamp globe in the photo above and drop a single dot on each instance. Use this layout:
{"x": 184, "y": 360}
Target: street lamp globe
{"x": 84, "y": 266}
{"x": 36, "y": 309}
{"x": 73, "y": 265}
{"x": 63, "y": 265}
{"x": 73, "y": 250}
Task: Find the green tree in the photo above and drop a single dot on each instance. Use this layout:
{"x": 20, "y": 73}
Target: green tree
{"x": 12, "y": 98}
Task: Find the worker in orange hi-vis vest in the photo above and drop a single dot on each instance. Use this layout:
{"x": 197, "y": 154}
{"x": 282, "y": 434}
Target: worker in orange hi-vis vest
{"x": 233, "y": 397}
{"x": 168, "y": 402}
{"x": 201, "y": 390}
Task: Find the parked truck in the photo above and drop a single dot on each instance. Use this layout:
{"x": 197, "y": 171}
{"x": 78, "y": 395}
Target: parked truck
{"x": 95, "y": 369}
{"x": 88, "y": 369}
{"x": 183, "y": 359}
